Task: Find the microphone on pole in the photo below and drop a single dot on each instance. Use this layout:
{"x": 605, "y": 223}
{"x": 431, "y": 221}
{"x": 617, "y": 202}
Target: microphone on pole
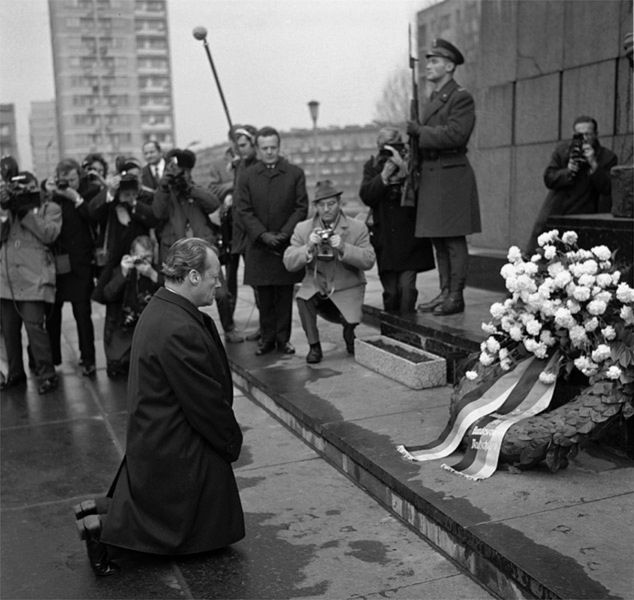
{"x": 200, "y": 33}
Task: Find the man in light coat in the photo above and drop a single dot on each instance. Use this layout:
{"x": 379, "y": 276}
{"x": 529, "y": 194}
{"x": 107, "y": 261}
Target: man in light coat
{"x": 335, "y": 251}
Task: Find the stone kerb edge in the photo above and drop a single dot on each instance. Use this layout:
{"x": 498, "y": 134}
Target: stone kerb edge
{"x": 429, "y": 373}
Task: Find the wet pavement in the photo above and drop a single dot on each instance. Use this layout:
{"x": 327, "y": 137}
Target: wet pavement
{"x": 311, "y": 532}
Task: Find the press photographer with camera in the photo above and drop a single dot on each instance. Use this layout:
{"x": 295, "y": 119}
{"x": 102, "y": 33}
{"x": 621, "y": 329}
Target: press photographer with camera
{"x": 578, "y": 177}
{"x": 27, "y": 274}
{"x": 400, "y": 256}
{"x": 126, "y": 289}
{"x": 121, "y": 211}
{"x": 73, "y": 251}
{"x": 334, "y": 251}
{"x": 95, "y": 169}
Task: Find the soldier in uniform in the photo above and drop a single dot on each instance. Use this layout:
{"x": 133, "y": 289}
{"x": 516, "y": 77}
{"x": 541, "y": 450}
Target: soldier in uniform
{"x": 448, "y": 208}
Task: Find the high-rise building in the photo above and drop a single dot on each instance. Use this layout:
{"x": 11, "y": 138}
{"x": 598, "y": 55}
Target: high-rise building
{"x": 43, "y": 134}
{"x": 8, "y": 137}
{"x": 112, "y": 75}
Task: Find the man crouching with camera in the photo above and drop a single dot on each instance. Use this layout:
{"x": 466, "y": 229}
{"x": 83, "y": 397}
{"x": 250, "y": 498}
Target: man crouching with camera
{"x": 27, "y": 274}
{"x": 334, "y": 250}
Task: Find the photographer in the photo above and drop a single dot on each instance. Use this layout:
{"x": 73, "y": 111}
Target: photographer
{"x": 126, "y": 289}
{"x": 74, "y": 261}
{"x": 334, "y": 250}
{"x": 122, "y": 211}
{"x": 27, "y": 274}
{"x": 183, "y": 209}
{"x": 578, "y": 177}
{"x": 400, "y": 255}
{"x": 95, "y": 169}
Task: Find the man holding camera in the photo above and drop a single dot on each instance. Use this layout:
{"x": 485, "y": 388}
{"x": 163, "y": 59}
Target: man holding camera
{"x": 74, "y": 252}
{"x": 448, "y": 207}
{"x": 27, "y": 275}
{"x": 400, "y": 255}
{"x": 123, "y": 211}
{"x": 334, "y": 251}
{"x": 578, "y": 177}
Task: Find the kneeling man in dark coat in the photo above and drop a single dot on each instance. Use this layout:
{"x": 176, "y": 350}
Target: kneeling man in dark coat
{"x": 175, "y": 492}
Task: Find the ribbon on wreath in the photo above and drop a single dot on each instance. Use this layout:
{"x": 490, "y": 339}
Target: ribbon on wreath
{"x": 492, "y": 408}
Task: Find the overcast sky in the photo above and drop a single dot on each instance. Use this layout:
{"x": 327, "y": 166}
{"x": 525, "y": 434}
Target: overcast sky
{"x": 272, "y": 57}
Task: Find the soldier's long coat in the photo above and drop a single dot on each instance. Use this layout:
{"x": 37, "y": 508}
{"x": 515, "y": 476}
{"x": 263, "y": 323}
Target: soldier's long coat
{"x": 176, "y": 492}
{"x": 448, "y": 203}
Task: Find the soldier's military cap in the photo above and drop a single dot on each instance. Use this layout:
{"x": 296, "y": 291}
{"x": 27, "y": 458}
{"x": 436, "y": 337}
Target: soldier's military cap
{"x": 440, "y": 47}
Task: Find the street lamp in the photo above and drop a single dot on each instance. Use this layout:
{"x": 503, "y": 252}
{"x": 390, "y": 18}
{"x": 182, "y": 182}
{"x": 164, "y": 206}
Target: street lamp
{"x": 313, "y": 107}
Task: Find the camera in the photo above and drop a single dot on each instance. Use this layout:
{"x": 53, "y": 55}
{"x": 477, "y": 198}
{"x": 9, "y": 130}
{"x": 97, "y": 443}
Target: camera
{"x": 62, "y": 183}
{"x": 387, "y": 153}
{"x": 576, "y": 150}
{"x": 325, "y": 234}
{"x": 18, "y": 197}
{"x": 128, "y": 181}
{"x": 325, "y": 251}
{"x": 138, "y": 261}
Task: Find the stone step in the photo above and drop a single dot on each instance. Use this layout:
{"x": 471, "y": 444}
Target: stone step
{"x": 484, "y": 268}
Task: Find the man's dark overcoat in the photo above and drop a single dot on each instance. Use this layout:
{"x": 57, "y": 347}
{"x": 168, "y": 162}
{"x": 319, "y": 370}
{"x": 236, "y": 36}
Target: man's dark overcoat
{"x": 176, "y": 492}
{"x": 393, "y": 225}
{"x": 273, "y": 200}
{"x": 448, "y": 203}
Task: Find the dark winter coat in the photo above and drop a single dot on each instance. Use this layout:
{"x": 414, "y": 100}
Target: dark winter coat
{"x": 272, "y": 200}
{"x": 176, "y": 492}
{"x": 448, "y": 203}
{"x": 393, "y": 225}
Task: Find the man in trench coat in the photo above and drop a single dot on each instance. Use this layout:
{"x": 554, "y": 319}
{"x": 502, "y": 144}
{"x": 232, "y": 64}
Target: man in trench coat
{"x": 175, "y": 492}
{"x": 448, "y": 207}
{"x": 272, "y": 200}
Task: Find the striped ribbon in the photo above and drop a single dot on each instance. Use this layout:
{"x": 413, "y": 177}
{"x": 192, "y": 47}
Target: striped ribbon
{"x": 485, "y": 441}
{"x": 479, "y": 402}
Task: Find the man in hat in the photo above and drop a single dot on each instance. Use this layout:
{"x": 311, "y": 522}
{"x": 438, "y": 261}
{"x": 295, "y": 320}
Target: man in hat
{"x": 334, "y": 251}
{"x": 448, "y": 209}
{"x": 400, "y": 256}
{"x": 272, "y": 200}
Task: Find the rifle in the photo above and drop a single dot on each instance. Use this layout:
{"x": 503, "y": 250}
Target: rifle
{"x": 410, "y": 189}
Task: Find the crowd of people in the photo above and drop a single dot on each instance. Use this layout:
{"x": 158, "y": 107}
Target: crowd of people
{"x": 153, "y": 246}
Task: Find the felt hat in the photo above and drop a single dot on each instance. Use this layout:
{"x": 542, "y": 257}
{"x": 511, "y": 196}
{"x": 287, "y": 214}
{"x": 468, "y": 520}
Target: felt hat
{"x": 440, "y": 47}
{"x": 185, "y": 159}
{"x": 326, "y": 189}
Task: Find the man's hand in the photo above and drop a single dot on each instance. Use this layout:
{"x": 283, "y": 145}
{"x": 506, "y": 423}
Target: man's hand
{"x": 590, "y": 156}
{"x": 313, "y": 240}
{"x": 126, "y": 264}
{"x": 269, "y": 239}
{"x": 112, "y": 183}
{"x": 573, "y": 166}
{"x": 336, "y": 242}
{"x": 146, "y": 269}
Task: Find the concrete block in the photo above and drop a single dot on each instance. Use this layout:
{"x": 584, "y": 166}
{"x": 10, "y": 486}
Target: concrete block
{"x": 537, "y": 96}
{"x": 586, "y": 91}
{"x": 528, "y": 191}
{"x": 493, "y": 174}
{"x": 497, "y": 62}
{"x": 602, "y": 18}
{"x": 623, "y": 147}
{"x": 494, "y": 114}
{"x": 622, "y": 191}
{"x": 540, "y": 44}
{"x": 431, "y": 371}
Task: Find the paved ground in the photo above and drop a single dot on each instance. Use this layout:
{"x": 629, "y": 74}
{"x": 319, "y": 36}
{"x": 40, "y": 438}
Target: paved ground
{"x": 311, "y": 533}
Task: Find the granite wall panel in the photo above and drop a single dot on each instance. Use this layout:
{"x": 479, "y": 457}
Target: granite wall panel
{"x": 537, "y": 114}
{"x": 589, "y": 90}
{"x": 494, "y": 116}
{"x": 540, "y": 32}
{"x": 623, "y": 107}
{"x": 497, "y": 57}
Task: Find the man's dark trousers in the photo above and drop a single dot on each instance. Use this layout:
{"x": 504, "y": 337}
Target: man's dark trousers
{"x": 276, "y": 311}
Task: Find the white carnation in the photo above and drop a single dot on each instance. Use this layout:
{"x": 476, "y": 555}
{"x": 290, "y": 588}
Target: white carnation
{"x": 581, "y": 293}
{"x": 601, "y": 353}
{"x": 506, "y": 365}
{"x": 497, "y": 310}
{"x": 627, "y": 314}
{"x": 489, "y": 328}
{"x": 591, "y": 324}
{"x": 601, "y": 252}
{"x": 608, "y": 332}
{"x": 616, "y": 276}
{"x": 514, "y": 254}
{"x": 515, "y": 333}
{"x": 530, "y": 268}
{"x": 535, "y": 258}
{"x": 503, "y": 353}
{"x": 471, "y": 375}
{"x": 550, "y": 252}
{"x": 562, "y": 279}
{"x": 547, "y": 377}
{"x": 590, "y": 267}
{"x": 586, "y": 280}
{"x": 604, "y": 280}
{"x": 492, "y": 345}
{"x": 533, "y": 327}
{"x": 555, "y": 268}
{"x": 597, "y": 307}
{"x": 486, "y": 359}
{"x": 540, "y": 351}
{"x": 624, "y": 293}
{"x": 569, "y": 237}
{"x": 613, "y": 372}
{"x": 578, "y": 335}
{"x": 508, "y": 270}
{"x": 573, "y": 306}
{"x": 547, "y": 337}
{"x": 563, "y": 318}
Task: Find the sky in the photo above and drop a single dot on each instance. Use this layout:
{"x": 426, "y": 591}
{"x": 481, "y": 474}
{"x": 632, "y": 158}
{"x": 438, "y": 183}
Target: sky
{"x": 272, "y": 57}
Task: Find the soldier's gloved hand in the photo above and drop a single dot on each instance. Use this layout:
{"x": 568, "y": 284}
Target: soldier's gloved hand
{"x": 269, "y": 239}
{"x": 413, "y": 128}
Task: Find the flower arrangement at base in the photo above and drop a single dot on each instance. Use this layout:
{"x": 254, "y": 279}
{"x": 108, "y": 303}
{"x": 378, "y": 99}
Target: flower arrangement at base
{"x": 568, "y": 315}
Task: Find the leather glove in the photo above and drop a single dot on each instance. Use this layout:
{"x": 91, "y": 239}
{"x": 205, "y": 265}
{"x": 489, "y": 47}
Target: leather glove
{"x": 413, "y": 128}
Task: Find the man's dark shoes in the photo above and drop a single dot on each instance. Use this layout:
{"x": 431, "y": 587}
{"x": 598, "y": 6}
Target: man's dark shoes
{"x": 89, "y": 529}
{"x": 253, "y": 337}
{"x": 85, "y": 508}
{"x": 314, "y": 354}
{"x": 48, "y": 385}
{"x": 348, "y": 337}
{"x": 450, "y": 306}
{"x": 13, "y": 381}
{"x": 233, "y": 338}
{"x": 264, "y": 348}
{"x": 286, "y": 348}
{"x": 433, "y": 303}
